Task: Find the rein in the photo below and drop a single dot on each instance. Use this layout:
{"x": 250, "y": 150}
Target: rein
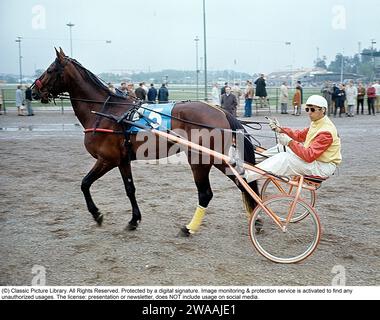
{"x": 174, "y": 134}
{"x": 138, "y": 103}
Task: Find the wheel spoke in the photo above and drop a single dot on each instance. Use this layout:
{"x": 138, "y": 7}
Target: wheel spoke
{"x": 294, "y": 244}
{"x": 273, "y": 188}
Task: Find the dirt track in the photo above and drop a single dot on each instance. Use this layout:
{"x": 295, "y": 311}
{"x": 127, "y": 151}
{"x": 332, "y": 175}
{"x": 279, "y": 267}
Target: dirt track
{"x": 44, "y": 220}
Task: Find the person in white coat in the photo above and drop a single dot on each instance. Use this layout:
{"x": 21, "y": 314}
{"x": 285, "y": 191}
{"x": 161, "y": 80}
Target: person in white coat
{"x": 215, "y": 97}
{"x": 351, "y": 94}
{"x": 20, "y": 101}
{"x": 284, "y": 97}
{"x": 377, "y": 101}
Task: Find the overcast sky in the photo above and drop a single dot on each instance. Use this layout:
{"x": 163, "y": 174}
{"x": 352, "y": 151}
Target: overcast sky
{"x": 245, "y": 35}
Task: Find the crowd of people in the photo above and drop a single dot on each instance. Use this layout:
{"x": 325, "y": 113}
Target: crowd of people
{"x": 341, "y": 97}
{"x": 142, "y": 92}
{"x": 229, "y": 97}
{"x": 344, "y": 97}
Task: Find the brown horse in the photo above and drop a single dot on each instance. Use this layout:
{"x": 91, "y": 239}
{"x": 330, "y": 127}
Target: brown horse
{"x": 111, "y": 148}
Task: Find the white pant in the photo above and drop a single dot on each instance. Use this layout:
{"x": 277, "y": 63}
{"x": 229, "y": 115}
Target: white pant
{"x": 289, "y": 164}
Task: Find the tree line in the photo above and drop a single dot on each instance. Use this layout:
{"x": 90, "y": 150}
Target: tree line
{"x": 359, "y": 63}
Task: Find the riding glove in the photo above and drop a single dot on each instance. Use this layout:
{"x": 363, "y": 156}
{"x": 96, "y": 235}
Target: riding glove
{"x": 284, "y": 139}
{"x": 274, "y": 125}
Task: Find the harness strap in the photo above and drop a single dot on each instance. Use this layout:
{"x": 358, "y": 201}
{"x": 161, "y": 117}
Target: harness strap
{"x": 97, "y": 122}
{"x": 102, "y": 130}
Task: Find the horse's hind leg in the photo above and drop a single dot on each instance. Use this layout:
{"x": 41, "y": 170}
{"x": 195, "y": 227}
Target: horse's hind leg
{"x": 100, "y": 168}
{"x": 126, "y": 173}
{"x": 202, "y": 181}
{"x": 249, "y": 203}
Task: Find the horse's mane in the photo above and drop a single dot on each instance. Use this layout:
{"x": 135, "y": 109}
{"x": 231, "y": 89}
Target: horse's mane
{"x": 101, "y": 84}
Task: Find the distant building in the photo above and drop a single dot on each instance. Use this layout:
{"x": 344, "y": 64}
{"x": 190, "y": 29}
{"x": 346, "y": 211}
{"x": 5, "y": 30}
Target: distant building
{"x": 308, "y": 77}
{"x": 334, "y": 77}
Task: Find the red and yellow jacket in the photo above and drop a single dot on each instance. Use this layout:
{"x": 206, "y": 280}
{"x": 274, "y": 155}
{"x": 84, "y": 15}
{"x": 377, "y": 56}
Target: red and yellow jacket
{"x": 320, "y": 142}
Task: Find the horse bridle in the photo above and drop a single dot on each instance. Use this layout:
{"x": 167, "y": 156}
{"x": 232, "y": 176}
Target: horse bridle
{"x": 59, "y": 68}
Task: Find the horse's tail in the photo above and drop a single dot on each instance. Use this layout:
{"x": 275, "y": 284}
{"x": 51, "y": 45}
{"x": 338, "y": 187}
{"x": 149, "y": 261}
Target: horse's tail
{"x": 249, "y": 157}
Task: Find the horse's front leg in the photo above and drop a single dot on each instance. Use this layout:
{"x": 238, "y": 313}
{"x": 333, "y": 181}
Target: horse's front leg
{"x": 126, "y": 173}
{"x": 99, "y": 169}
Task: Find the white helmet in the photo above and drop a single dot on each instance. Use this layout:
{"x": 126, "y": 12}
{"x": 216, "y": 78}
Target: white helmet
{"x": 317, "y": 101}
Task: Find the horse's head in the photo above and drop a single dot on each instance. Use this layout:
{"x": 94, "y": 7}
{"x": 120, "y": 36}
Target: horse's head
{"x": 54, "y": 80}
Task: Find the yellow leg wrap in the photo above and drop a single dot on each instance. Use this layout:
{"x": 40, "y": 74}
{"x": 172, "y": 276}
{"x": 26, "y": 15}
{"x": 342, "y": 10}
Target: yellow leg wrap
{"x": 196, "y": 222}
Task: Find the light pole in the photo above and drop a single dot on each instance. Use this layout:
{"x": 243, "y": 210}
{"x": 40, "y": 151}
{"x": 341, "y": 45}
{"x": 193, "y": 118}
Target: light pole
{"x": 201, "y": 64}
{"x": 19, "y": 57}
{"x": 288, "y": 43}
{"x": 196, "y": 65}
{"x": 71, "y": 25}
{"x": 373, "y": 60}
{"x": 205, "y": 47}
{"x": 342, "y": 68}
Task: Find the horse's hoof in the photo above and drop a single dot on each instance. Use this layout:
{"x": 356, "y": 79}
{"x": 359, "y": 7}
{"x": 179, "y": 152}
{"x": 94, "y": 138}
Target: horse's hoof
{"x": 184, "y": 232}
{"x": 132, "y": 226}
{"x": 99, "y": 219}
{"x": 259, "y": 223}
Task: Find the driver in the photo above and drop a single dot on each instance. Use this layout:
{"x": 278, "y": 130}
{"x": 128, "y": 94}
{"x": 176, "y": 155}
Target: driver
{"x": 313, "y": 151}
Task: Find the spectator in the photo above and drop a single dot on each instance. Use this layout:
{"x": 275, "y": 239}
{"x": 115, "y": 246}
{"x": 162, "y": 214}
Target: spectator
{"x": 215, "y": 98}
{"x": 20, "y": 101}
{"x": 140, "y": 92}
{"x": 145, "y": 88}
{"x": 123, "y": 88}
{"x": 340, "y": 95}
{"x": 360, "y": 97}
{"x": 327, "y": 92}
{"x": 1, "y": 103}
{"x": 333, "y": 96}
{"x": 261, "y": 90}
{"x": 229, "y": 102}
{"x": 377, "y": 100}
{"x": 371, "y": 94}
{"x": 152, "y": 94}
{"x": 111, "y": 87}
{"x": 163, "y": 94}
{"x": 284, "y": 96}
{"x": 297, "y": 102}
{"x": 131, "y": 90}
{"x": 223, "y": 90}
{"x": 236, "y": 91}
{"x": 28, "y": 100}
{"x": 299, "y": 85}
{"x": 351, "y": 94}
{"x": 249, "y": 93}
